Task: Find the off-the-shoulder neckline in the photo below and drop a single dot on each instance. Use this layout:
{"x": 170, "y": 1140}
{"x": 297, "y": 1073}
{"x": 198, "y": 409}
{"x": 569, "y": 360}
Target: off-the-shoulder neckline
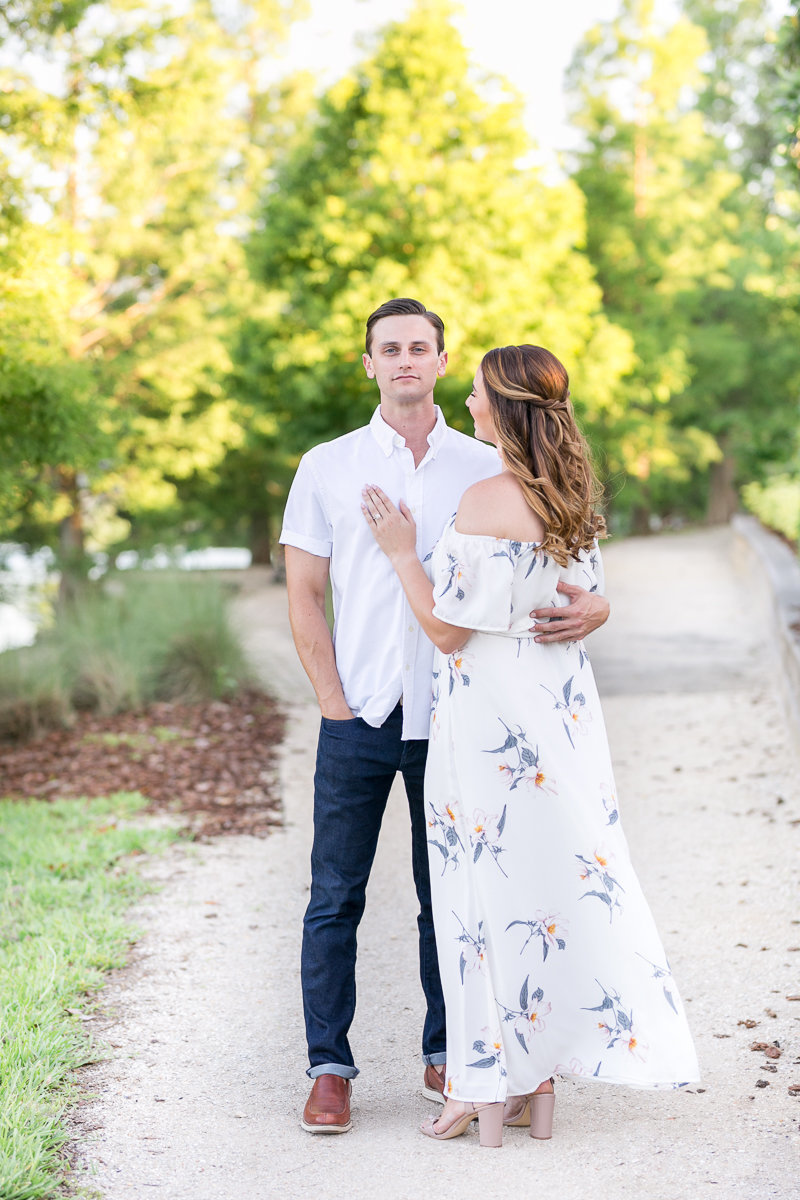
{"x": 490, "y": 537}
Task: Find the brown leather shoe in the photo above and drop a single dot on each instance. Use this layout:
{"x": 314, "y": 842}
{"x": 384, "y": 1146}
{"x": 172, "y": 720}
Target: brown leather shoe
{"x": 433, "y": 1084}
{"x": 327, "y": 1109}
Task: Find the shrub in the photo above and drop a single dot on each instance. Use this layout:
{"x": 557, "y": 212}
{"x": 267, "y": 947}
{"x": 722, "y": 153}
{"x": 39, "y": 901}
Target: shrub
{"x": 776, "y": 504}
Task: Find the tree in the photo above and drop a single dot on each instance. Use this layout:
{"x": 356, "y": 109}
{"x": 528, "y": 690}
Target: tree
{"x": 410, "y": 181}
{"x": 142, "y": 152}
{"x": 688, "y": 266}
{"x": 737, "y": 95}
{"x": 49, "y": 411}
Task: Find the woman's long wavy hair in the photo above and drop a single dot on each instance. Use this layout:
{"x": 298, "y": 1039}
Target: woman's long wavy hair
{"x": 528, "y": 390}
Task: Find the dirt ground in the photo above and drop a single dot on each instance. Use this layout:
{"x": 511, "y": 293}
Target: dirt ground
{"x": 202, "y": 1095}
{"x": 210, "y": 767}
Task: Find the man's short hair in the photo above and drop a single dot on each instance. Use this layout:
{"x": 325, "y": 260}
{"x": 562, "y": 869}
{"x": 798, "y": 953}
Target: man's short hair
{"x": 405, "y": 307}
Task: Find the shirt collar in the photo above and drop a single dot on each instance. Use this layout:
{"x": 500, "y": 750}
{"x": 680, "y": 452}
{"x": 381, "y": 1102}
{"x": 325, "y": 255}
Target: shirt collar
{"x": 388, "y": 439}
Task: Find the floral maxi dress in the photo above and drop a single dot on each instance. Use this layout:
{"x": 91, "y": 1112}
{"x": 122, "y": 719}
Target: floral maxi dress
{"x": 550, "y": 960}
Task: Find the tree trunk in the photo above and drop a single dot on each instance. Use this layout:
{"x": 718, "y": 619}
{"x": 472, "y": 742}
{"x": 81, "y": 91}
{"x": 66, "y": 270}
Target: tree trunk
{"x": 723, "y": 499}
{"x": 640, "y": 521}
{"x": 261, "y": 540}
{"x": 72, "y": 553}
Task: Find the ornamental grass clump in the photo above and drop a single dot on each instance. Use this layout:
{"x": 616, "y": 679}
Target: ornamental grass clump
{"x": 34, "y": 695}
{"x": 135, "y": 640}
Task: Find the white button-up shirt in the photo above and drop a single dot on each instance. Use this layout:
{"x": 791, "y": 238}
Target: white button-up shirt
{"x": 382, "y": 655}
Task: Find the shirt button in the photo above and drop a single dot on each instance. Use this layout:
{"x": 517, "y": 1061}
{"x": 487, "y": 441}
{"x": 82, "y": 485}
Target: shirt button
{"x": 411, "y": 629}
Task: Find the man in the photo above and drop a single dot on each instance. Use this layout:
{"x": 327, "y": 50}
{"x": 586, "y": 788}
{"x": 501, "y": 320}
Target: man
{"x": 373, "y": 677}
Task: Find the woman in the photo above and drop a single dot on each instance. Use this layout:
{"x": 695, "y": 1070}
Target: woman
{"x": 550, "y": 960}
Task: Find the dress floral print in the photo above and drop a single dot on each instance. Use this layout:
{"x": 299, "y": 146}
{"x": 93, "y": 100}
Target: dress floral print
{"x": 549, "y": 956}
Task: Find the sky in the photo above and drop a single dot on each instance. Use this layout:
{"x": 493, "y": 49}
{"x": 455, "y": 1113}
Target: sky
{"x": 529, "y": 42}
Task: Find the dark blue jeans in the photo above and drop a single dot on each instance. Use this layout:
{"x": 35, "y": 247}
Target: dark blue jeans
{"x": 356, "y": 766}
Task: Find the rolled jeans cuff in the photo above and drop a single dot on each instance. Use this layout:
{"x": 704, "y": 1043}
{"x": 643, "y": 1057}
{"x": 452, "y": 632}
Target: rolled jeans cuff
{"x": 435, "y": 1060}
{"x": 332, "y": 1069}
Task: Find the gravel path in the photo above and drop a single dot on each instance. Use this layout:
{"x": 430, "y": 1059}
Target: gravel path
{"x": 203, "y": 1096}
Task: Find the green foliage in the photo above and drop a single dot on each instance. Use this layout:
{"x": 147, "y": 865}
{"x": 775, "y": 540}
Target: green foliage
{"x": 136, "y": 641}
{"x": 411, "y": 181}
{"x": 29, "y": 19}
{"x": 776, "y": 503}
{"x": 692, "y": 265}
{"x": 48, "y": 412}
{"x": 788, "y": 90}
{"x": 737, "y": 96}
{"x": 65, "y": 883}
{"x": 142, "y": 148}
{"x": 188, "y": 256}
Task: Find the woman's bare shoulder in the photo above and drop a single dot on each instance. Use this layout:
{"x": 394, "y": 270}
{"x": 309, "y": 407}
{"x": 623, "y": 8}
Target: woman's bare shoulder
{"x": 497, "y": 507}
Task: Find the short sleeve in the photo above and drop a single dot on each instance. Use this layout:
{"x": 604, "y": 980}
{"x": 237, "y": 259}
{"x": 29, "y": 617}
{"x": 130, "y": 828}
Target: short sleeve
{"x": 472, "y": 583}
{"x": 305, "y": 521}
{"x": 587, "y": 572}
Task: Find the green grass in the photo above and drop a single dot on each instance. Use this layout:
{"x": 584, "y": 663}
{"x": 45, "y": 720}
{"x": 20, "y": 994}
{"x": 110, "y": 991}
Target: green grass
{"x": 137, "y": 741}
{"x": 66, "y": 880}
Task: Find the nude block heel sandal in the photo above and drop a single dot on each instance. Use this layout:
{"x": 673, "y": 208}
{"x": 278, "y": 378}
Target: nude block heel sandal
{"x": 490, "y": 1124}
{"x": 517, "y": 1110}
{"x": 542, "y": 1105}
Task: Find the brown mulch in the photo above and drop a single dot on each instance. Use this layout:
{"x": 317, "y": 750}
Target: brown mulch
{"x": 212, "y": 763}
